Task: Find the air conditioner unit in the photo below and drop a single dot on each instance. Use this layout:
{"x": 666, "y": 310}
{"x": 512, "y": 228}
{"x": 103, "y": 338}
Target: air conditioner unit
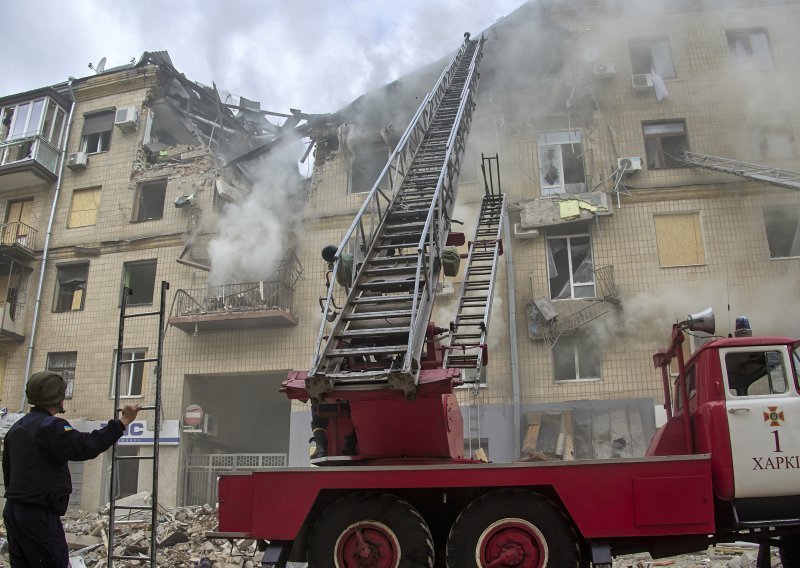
{"x": 642, "y": 82}
{"x": 77, "y": 160}
{"x": 630, "y": 164}
{"x": 521, "y": 233}
{"x": 605, "y": 69}
{"x": 208, "y": 427}
{"x": 127, "y": 118}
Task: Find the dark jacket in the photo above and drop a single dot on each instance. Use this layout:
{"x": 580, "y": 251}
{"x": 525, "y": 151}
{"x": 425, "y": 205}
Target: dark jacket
{"x": 35, "y": 454}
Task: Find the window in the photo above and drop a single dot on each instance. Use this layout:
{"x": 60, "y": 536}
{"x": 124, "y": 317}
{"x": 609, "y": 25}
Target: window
{"x": 772, "y": 138}
{"x": 140, "y": 278}
{"x": 750, "y": 49}
{"x": 756, "y": 373}
{"x": 149, "y": 202}
{"x": 783, "y": 231}
{"x": 652, "y": 55}
{"x": 70, "y": 287}
{"x": 561, "y": 162}
{"x": 369, "y": 161}
{"x": 96, "y": 135}
{"x": 63, "y": 363}
{"x": 131, "y": 373}
{"x": 680, "y": 240}
{"x": 84, "y": 207}
{"x": 10, "y": 284}
{"x": 664, "y": 141}
{"x": 570, "y": 266}
{"x": 575, "y": 359}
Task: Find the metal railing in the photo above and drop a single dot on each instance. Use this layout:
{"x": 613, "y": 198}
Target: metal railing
{"x": 18, "y": 233}
{"x": 201, "y": 472}
{"x": 246, "y": 296}
{"x": 29, "y": 148}
{"x": 359, "y": 238}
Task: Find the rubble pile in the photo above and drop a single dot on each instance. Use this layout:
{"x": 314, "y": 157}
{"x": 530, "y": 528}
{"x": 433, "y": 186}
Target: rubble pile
{"x": 180, "y": 535}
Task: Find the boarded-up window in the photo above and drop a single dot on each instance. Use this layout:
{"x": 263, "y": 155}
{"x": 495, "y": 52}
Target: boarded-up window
{"x": 680, "y": 240}
{"x": 84, "y": 207}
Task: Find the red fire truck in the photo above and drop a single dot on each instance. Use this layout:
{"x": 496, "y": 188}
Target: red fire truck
{"x": 394, "y": 488}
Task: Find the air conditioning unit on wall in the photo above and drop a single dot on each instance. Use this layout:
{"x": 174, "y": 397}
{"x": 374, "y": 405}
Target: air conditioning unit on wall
{"x": 208, "y": 427}
{"x": 77, "y": 161}
{"x": 642, "y": 82}
{"x": 630, "y": 164}
{"x": 127, "y": 118}
{"x": 605, "y": 69}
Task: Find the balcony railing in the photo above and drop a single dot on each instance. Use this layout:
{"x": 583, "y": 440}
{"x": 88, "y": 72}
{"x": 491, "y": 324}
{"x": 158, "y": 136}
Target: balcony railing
{"x": 235, "y": 298}
{"x": 18, "y": 234}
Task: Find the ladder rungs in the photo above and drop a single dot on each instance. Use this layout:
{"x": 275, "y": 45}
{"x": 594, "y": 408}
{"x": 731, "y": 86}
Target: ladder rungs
{"x": 151, "y": 407}
{"x": 385, "y": 349}
{"x": 130, "y": 361}
{"x": 142, "y": 314}
{"x": 382, "y": 332}
{"x": 128, "y": 557}
{"x": 125, "y": 458}
{"x": 134, "y": 507}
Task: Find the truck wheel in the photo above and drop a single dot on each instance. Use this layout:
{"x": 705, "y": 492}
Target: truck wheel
{"x": 512, "y": 527}
{"x": 375, "y": 530}
{"x": 789, "y": 552}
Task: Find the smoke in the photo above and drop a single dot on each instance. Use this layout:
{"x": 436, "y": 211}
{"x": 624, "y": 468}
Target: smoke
{"x": 253, "y": 235}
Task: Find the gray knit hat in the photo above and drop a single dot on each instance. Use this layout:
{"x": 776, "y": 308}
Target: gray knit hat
{"x": 46, "y": 388}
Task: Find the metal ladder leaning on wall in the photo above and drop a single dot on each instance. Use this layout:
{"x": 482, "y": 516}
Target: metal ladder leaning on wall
{"x": 155, "y": 408}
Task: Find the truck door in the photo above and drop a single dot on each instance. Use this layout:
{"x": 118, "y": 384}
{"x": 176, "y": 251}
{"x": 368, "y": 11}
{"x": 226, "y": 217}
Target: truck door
{"x": 763, "y": 405}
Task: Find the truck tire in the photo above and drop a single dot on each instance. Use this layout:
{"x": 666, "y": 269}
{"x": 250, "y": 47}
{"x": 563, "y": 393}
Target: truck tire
{"x": 789, "y": 550}
{"x": 512, "y": 527}
{"x": 370, "y": 530}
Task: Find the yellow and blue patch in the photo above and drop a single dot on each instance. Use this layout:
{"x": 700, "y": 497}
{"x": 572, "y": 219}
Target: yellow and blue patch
{"x": 67, "y": 428}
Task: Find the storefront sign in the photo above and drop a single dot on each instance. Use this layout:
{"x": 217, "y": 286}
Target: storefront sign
{"x": 137, "y": 433}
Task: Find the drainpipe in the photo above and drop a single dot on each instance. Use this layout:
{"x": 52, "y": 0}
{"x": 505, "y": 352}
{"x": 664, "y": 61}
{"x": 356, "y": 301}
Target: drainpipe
{"x": 512, "y": 333}
{"x": 37, "y": 304}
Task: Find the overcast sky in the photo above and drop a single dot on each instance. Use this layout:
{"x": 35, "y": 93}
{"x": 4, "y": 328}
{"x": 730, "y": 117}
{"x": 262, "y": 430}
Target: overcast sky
{"x": 315, "y": 55}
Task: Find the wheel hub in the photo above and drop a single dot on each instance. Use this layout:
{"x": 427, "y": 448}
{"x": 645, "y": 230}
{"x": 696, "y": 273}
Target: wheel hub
{"x": 367, "y": 544}
{"x": 511, "y": 543}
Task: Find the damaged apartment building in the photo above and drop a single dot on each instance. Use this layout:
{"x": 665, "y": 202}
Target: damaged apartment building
{"x": 614, "y": 231}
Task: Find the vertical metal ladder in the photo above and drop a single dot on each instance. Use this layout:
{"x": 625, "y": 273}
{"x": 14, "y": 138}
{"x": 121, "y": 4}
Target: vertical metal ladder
{"x": 155, "y": 408}
{"x": 377, "y": 338}
{"x": 753, "y": 172}
{"x": 466, "y": 347}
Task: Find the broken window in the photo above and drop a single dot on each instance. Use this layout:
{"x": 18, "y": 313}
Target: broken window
{"x": 575, "y": 358}
{"x": 756, "y": 373}
{"x": 570, "y": 266}
{"x": 680, "y": 239}
{"x": 783, "y": 231}
{"x": 663, "y": 142}
{"x": 71, "y": 287}
{"x": 140, "y": 278}
{"x": 561, "y": 162}
{"x": 96, "y": 134}
{"x": 84, "y": 207}
{"x": 63, "y": 363}
{"x": 750, "y": 49}
{"x": 131, "y": 373}
{"x": 149, "y": 203}
{"x": 771, "y": 137}
{"x": 652, "y": 55}
{"x": 369, "y": 161}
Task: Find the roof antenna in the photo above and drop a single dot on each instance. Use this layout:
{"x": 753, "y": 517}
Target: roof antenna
{"x": 101, "y": 65}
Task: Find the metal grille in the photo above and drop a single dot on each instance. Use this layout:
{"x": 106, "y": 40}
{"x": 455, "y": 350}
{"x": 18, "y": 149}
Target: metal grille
{"x": 201, "y": 472}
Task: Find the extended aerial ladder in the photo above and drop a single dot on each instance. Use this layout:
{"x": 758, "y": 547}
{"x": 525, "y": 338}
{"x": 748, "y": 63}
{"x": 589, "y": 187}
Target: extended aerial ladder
{"x": 466, "y": 347}
{"x": 753, "y": 172}
{"x": 389, "y": 260}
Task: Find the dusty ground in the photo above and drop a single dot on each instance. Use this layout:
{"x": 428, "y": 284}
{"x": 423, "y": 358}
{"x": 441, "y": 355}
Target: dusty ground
{"x": 743, "y": 556}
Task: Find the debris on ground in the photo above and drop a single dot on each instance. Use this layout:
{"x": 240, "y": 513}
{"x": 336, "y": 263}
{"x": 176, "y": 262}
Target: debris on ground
{"x": 739, "y": 555}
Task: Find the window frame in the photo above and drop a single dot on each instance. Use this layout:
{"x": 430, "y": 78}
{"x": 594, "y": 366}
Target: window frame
{"x": 68, "y": 373}
{"x": 98, "y": 191}
{"x": 770, "y": 234}
{"x": 662, "y": 162}
{"x": 358, "y": 152}
{"x": 100, "y": 141}
{"x": 553, "y": 139}
{"x": 548, "y": 251}
{"x": 752, "y": 62}
{"x": 634, "y": 45}
{"x": 733, "y": 394}
{"x": 133, "y": 367}
{"x": 132, "y": 264}
{"x": 577, "y": 346}
{"x": 58, "y": 287}
{"x": 138, "y": 208}
{"x": 662, "y": 246}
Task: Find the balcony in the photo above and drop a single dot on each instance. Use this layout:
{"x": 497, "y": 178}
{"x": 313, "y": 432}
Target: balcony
{"x": 231, "y": 307}
{"x": 17, "y": 241}
{"x": 26, "y": 162}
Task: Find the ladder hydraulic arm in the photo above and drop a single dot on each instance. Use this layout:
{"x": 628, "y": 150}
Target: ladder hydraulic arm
{"x": 753, "y": 172}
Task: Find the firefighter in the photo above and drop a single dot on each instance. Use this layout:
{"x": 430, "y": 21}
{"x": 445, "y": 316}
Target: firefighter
{"x": 37, "y": 479}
